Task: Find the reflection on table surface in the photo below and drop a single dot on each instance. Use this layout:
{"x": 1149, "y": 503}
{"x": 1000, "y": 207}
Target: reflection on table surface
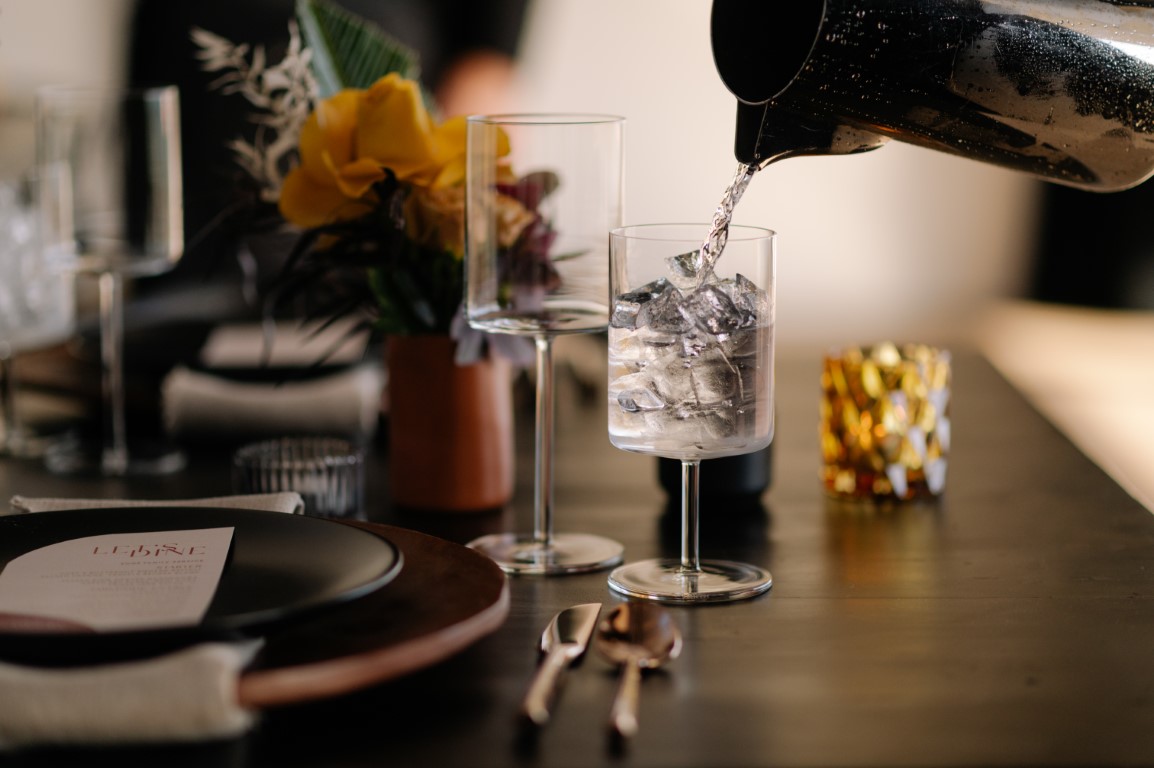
{"x": 1089, "y": 371}
{"x": 1007, "y": 624}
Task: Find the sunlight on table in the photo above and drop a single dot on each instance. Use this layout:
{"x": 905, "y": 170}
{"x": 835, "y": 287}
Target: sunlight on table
{"x": 1091, "y": 373}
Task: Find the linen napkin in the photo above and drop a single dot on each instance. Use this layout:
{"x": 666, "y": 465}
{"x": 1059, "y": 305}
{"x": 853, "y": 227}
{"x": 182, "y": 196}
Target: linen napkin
{"x": 289, "y": 502}
{"x": 220, "y": 398}
{"x": 200, "y": 404}
{"x": 187, "y": 695}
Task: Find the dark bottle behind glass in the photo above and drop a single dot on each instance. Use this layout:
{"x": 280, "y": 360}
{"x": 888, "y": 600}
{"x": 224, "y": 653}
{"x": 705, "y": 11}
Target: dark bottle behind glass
{"x": 745, "y": 476}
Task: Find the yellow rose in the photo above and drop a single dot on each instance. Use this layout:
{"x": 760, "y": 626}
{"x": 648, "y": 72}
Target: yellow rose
{"x": 351, "y": 138}
{"x": 436, "y": 218}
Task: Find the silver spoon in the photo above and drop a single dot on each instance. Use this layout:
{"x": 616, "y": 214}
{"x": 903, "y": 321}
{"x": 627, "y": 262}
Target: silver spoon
{"x": 635, "y": 636}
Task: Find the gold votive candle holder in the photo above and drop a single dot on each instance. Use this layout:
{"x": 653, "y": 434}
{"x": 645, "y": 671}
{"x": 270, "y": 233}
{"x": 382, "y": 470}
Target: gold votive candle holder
{"x": 885, "y": 423}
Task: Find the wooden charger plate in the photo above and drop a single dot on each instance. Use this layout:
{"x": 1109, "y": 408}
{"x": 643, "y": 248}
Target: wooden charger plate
{"x": 445, "y": 598}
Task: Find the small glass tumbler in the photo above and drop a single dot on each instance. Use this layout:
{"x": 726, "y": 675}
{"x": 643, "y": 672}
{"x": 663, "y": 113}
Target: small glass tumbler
{"x": 885, "y": 423}
{"x": 327, "y": 472}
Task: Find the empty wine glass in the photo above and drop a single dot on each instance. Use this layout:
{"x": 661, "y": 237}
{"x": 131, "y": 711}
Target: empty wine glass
{"x": 542, "y": 193}
{"x": 120, "y": 151}
{"x": 690, "y": 378}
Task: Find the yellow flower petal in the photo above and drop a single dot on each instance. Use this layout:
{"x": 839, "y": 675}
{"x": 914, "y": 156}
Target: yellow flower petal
{"x": 436, "y": 218}
{"x": 450, "y": 136}
{"x": 306, "y": 203}
{"x": 353, "y": 138}
{"x": 356, "y": 178}
{"x": 449, "y": 152}
{"x": 329, "y": 130}
{"x": 394, "y": 128}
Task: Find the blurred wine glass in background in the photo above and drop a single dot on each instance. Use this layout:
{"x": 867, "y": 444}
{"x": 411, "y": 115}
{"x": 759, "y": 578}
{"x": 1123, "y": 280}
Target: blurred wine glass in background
{"x": 121, "y": 217}
{"x": 36, "y": 306}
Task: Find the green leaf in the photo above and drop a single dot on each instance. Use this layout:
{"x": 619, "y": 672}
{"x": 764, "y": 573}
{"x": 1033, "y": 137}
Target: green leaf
{"x": 348, "y": 51}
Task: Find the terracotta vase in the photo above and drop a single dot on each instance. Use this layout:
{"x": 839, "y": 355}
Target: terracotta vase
{"x": 450, "y": 427}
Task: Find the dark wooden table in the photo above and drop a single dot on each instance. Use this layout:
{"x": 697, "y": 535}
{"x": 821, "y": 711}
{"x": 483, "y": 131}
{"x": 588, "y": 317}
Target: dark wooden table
{"x": 1011, "y": 624}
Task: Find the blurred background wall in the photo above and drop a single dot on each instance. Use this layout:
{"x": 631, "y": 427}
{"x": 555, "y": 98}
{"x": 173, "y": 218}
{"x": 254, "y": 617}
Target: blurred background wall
{"x": 901, "y": 242}
{"x": 45, "y": 42}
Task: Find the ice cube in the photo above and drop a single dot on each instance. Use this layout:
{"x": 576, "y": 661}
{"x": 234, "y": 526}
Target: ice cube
{"x": 742, "y": 344}
{"x": 714, "y": 310}
{"x": 687, "y": 428}
{"x": 656, "y": 343}
{"x": 751, "y": 302}
{"x": 693, "y": 343}
{"x": 695, "y": 384}
{"x": 628, "y": 307}
{"x": 667, "y": 312}
{"x": 683, "y": 268}
{"x": 635, "y": 392}
{"x": 721, "y": 423}
{"x": 714, "y": 379}
{"x": 639, "y": 400}
{"x": 672, "y": 379}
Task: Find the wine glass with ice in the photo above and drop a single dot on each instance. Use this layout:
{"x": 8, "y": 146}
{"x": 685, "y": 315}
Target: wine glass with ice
{"x": 690, "y": 378}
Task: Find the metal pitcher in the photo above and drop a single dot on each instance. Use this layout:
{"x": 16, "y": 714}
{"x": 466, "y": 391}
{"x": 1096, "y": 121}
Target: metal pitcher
{"x": 1060, "y": 89}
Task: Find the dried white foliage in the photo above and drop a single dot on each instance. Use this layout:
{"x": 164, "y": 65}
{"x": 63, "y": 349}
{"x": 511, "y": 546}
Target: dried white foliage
{"x": 283, "y": 95}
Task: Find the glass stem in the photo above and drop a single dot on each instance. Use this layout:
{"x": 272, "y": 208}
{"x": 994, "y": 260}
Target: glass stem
{"x": 543, "y": 501}
{"x": 690, "y": 553}
{"x": 114, "y": 455}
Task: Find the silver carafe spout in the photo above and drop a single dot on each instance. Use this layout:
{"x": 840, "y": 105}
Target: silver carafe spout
{"x": 1060, "y": 89}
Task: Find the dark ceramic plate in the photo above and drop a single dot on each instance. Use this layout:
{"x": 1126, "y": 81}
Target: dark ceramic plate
{"x": 280, "y": 568}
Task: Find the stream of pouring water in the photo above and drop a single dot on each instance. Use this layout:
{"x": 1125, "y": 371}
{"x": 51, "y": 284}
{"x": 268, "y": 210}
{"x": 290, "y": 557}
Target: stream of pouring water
{"x": 719, "y": 228}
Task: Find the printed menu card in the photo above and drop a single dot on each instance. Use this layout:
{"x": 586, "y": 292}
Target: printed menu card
{"x": 119, "y": 581}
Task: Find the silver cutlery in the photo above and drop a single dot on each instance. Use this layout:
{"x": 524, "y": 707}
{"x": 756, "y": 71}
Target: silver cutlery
{"x": 563, "y": 642}
{"x": 635, "y": 636}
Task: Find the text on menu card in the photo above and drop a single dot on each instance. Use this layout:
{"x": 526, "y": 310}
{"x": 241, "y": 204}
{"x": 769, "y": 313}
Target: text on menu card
{"x": 119, "y": 581}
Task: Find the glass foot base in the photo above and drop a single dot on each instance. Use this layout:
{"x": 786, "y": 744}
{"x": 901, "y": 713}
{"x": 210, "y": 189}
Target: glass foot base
{"x": 666, "y": 581}
{"x": 568, "y": 553}
{"x": 76, "y": 457}
{"x": 33, "y": 442}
